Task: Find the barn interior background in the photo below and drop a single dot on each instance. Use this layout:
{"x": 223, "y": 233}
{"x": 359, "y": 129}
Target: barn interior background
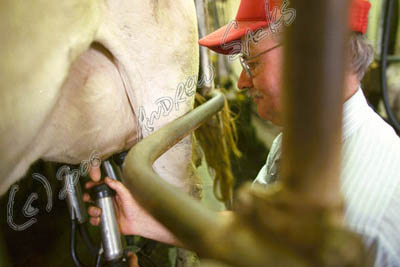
{"x": 47, "y": 241}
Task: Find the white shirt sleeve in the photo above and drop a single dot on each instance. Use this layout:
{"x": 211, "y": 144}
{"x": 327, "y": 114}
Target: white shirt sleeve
{"x": 388, "y": 244}
{"x": 270, "y": 169}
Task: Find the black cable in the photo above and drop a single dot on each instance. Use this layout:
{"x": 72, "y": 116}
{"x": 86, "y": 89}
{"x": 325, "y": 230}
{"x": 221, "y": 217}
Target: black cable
{"x": 73, "y": 245}
{"x": 385, "y": 47}
{"x": 93, "y": 249}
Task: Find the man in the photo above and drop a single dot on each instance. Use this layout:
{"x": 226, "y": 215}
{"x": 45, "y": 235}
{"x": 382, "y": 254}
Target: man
{"x": 370, "y": 171}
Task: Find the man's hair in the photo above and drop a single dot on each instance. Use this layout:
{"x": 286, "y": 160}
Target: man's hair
{"x": 361, "y": 54}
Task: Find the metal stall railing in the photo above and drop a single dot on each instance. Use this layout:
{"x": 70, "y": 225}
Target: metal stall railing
{"x": 198, "y": 228}
{"x": 298, "y": 222}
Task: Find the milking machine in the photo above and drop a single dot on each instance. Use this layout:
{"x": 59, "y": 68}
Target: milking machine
{"x": 110, "y": 253}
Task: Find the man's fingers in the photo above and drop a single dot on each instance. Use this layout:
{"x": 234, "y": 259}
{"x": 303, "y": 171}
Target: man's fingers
{"x": 90, "y": 184}
{"x": 86, "y": 198}
{"x": 124, "y": 196}
{"x": 94, "y": 211}
{"x": 133, "y": 260}
{"x": 94, "y": 221}
{"x": 95, "y": 173}
{"x": 117, "y": 186}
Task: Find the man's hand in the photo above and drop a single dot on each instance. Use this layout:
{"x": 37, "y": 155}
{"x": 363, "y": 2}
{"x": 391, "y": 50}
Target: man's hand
{"x": 126, "y": 208}
{"x": 123, "y": 200}
{"x": 131, "y": 217}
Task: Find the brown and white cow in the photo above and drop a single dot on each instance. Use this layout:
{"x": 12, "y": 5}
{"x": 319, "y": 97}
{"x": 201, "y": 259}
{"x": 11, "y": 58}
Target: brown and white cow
{"x": 79, "y": 76}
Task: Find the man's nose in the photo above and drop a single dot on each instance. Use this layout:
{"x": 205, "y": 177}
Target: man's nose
{"x": 244, "y": 81}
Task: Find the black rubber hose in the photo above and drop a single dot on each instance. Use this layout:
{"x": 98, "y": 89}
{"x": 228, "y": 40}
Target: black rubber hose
{"x": 93, "y": 249}
{"x": 99, "y": 259}
{"x": 385, "y": 47}
{"x": 120, "y": 158}
{"x": 73, "y": 244}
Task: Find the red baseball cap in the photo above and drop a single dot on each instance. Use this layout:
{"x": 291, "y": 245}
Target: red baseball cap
{"x": 256, "y": 14}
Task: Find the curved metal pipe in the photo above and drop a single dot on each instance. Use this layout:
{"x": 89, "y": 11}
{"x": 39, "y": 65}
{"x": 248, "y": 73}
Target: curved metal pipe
{"x": 293, "y": 223}
{"x": 156, "y": 195}
{"x": 198, "y": 228}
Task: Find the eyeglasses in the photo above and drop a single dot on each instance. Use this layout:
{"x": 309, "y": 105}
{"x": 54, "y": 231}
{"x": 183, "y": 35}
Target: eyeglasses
{"x": 244, "y": 60}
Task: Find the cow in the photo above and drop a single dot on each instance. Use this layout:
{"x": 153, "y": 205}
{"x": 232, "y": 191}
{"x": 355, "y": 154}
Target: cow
{"x": 80, "y": 76}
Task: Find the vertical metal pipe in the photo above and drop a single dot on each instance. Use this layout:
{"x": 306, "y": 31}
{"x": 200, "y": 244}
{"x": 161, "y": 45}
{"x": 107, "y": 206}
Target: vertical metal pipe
{"x": 204, "y": 57}
{"x": 108, "y": 169}
{"x": 314, "y": 78}
{"x": 74, "y": 199}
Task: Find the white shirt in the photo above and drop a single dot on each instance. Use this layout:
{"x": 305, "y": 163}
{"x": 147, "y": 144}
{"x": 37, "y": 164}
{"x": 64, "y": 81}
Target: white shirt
{"x": 370, "y": 179}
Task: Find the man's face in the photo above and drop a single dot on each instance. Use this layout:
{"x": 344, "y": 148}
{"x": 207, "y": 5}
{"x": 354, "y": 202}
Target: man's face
{"x": 266, "y": 83}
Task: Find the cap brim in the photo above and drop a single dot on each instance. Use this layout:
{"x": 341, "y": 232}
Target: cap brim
{"x": 226, "y": 40}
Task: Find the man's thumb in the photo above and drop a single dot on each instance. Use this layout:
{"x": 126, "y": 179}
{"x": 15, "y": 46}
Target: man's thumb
{"x": 117, "y": 186}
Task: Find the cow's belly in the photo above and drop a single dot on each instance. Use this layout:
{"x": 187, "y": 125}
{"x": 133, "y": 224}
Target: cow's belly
{"x": 93, "y": 112}
{"x": 152, "y": 61}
